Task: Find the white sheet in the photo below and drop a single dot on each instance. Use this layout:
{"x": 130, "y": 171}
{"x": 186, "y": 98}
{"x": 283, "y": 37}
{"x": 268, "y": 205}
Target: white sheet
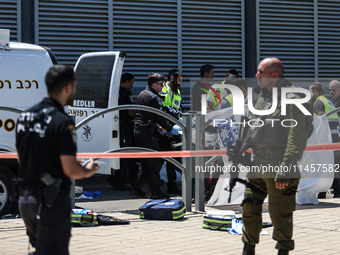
{"x": 311, "y": 183}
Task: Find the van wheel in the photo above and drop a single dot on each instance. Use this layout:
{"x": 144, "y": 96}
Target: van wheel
{"x": 6, "y": 206}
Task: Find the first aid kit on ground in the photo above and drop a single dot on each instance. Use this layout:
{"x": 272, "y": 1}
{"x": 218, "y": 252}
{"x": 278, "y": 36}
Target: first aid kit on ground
{"x": 88, "y": 218}
{"x": 219, "y": 219}
{"x": 163, "y": 209}
{"x": 83, "y": 218}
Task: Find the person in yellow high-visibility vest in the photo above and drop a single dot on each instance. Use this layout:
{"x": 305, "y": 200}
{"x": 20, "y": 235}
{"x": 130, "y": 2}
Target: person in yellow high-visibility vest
{"x": 172, "y": 104}
{"x": 322, "y": 106}
{"x": 212, "y": 100}
{"x": 171, "y": 92}
{"x": 227, "y": 101}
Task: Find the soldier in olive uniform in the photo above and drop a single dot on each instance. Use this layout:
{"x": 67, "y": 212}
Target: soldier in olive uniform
{"x": 273, "y": 145}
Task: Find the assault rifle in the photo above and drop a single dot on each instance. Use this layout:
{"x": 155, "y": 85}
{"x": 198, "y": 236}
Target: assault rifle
{"x": 235, "y": 154}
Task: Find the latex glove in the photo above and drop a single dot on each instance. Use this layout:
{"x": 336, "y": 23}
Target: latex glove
{"x": 161, "y": 130}
{"x": 175, "y": 130}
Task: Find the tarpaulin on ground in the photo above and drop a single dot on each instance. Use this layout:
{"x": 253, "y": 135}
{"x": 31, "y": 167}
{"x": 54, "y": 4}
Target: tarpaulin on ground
{"x": 319, "y": 179}
{"x": 312, "y": 181}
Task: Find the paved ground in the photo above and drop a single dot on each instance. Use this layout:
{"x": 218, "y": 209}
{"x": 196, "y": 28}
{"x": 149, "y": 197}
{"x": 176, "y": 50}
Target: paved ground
{"x": 316, "y": 231}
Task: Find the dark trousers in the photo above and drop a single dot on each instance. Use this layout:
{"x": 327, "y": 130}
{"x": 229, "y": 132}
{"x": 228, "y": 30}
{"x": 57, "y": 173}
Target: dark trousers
{"x": 51, "y": 234}
{"x": 336, "y": 180}
{"x": 127, "y": 173}
{"x": 128, "y": 166}
{"x": 149, "y": 167}
{"x": 164, "y": 144}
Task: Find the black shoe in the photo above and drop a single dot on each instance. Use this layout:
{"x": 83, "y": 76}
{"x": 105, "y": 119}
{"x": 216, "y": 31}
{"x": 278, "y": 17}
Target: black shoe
{"x": 336, "y": 195}
{"x": 174, "y": 190}
{"x": 322, "y": 195}
{"x": 137, "y": 191}
{"x": 283, "y": 252}
{"x": 111, "y": 180}
{"x": 122, "y": 188}
{"x": 248, "y": 249}
{"x": 158, "y": 195}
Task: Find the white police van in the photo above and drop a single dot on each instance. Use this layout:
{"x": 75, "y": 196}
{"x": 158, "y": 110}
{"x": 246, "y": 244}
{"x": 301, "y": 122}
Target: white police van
{"x": 22, "y": 72}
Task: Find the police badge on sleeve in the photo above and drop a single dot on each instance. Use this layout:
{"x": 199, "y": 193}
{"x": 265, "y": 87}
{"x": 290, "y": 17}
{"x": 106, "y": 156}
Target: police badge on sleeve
{"x": 159, "y": 100}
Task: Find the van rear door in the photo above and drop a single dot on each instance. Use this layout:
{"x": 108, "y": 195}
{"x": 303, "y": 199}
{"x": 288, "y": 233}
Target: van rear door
{"x": 98, "y": 80}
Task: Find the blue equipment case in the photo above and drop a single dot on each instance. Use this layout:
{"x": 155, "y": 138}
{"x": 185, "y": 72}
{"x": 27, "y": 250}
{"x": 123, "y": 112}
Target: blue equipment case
{"x": 163, "y": 209}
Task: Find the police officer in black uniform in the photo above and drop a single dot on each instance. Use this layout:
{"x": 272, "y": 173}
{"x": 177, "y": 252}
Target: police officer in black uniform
{"x": 46, "y": 145}
{"x": 147, "y": 131}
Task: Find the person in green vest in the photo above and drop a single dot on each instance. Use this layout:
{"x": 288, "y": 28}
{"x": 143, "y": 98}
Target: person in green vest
{"x": 212, "y": 100}
{"x": 172, "y": 104}
{"x": 322, "y": 106}
{"x": 171, "y": 92}
{"x": 227, "y": 101}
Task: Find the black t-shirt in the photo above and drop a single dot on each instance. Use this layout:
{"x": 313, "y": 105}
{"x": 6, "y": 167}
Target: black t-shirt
{"x": 196, "y": 95}
{"x": 41, "y": 142}
{"x": 124, "y": 98}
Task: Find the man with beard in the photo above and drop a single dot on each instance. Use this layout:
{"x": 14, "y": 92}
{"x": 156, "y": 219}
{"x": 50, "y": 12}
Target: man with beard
{"x": 172, "y": 104}
{"x": 46, "y": 145}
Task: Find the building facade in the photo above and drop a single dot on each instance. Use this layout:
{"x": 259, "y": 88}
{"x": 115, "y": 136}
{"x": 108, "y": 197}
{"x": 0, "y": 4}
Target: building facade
{"x": 185, "y": 34}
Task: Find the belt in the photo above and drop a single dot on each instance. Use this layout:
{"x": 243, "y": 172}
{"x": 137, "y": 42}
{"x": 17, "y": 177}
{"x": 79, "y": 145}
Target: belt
{"x": 139, "y": 126}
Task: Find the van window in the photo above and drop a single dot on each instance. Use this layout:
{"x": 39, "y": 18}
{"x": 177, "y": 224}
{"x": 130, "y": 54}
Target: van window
{"x": 93, "y": 82}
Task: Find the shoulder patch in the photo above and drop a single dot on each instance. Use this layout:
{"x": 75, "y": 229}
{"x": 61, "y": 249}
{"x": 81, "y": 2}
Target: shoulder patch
{"x": 73, "y": 133}
{"x": 163, "y": 93}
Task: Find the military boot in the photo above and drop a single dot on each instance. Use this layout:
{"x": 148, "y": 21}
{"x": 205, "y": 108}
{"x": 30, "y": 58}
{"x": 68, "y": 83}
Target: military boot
{"x": 248, "y": 249}
{"x": 283, "y": 252}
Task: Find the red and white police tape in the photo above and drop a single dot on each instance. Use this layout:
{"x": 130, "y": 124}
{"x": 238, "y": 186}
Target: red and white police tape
{"x": 174, "y": 154}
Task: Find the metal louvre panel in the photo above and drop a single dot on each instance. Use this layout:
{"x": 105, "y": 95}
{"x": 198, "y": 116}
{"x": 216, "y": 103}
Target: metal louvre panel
{"x": 212, "y": 33}
{"x": 71, "y": 28}
{"x": 329, "y": 38}
{"x": 286, "y": 31}
{"x": 147, "y": 31}
{"x": 8, "y": 17}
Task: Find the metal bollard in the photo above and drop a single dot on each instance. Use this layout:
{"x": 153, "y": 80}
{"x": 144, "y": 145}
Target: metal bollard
{"x": 186, "y": 175}
{"x": 199, "y": 183}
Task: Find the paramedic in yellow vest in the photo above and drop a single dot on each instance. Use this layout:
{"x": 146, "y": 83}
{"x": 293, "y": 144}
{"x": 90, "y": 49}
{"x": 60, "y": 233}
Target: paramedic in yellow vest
{"x": 322, "y": 106}
{"x": 172, "y": 104}
{"x": 212, "y": 100}
{"x": 171, "y": 92}
{"x": 227, "y": 101}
